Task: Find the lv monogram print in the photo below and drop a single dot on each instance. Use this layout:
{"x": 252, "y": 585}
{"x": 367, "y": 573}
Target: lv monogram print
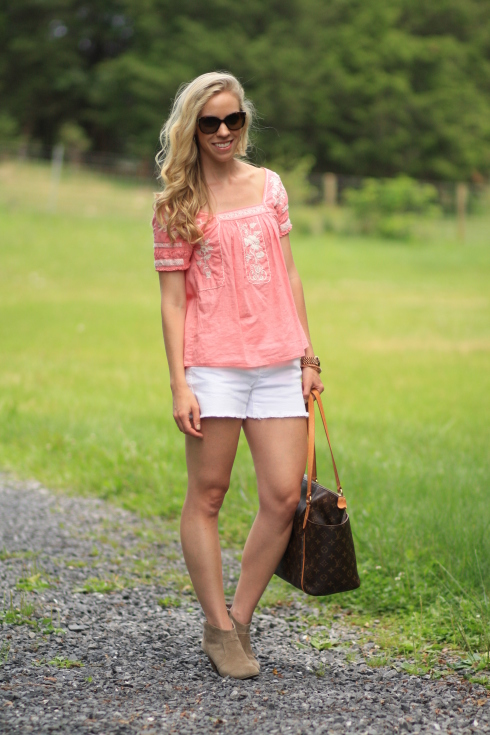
{"x": 320, "y": 560}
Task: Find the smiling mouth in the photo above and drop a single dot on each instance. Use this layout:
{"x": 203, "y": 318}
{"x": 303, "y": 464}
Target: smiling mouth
{"x": 223, "y": 146}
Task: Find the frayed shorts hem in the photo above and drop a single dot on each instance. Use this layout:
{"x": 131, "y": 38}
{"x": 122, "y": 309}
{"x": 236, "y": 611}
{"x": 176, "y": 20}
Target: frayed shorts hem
{"x": 268, "y": 392}
{"x": 257, "y": 418}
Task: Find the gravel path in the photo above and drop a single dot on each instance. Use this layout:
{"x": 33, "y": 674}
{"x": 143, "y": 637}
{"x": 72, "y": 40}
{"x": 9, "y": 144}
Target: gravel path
{"x": 106, "y": 648}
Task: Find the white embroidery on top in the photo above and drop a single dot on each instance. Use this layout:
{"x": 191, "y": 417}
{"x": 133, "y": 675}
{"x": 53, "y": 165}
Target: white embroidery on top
{"x": 169, "y": 262}
{"x": 205, "y": 252}
{"x": 254, "y": 251}
{"x": 170, "y": 244}
{"x": 277, "y": 190}
{"x": 280, "y": 203}
{"x": 208, "y": 262}
{"x": 242, "y": 213}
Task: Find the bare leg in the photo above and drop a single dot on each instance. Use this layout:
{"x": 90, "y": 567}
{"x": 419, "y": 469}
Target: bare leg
{"x": 209, "y": 464}
{"x": 278, "y": 449}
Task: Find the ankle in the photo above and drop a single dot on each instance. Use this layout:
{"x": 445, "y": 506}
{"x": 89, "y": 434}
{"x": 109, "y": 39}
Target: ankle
{"x": 221, "y": 622}
{"x": 239, "y": 616}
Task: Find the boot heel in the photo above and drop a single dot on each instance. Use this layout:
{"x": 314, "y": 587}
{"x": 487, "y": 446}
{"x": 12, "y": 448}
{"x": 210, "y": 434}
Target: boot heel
{"x": 225, "y": 652}
{"x": 244, "y": 638}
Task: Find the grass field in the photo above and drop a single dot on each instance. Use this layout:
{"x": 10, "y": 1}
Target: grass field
{"x": 403, "y": 331}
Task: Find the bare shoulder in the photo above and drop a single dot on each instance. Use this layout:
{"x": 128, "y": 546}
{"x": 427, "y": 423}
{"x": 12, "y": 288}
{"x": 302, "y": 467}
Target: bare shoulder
{"x": 252, "y": 176}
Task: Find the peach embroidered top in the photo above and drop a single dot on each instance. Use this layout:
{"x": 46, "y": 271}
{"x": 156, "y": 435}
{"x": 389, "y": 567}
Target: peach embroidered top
{"x": 240, "y": 309}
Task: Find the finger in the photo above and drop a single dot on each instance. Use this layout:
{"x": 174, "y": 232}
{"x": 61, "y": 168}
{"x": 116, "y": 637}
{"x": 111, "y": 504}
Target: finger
{"x": 319, "y": 386}
{"x": 192, "y": 431}
{"x": 196, "y": 416}
{"x": 195, "y": 422}
{"x": 306, "y": 390}
{"x": 179, "y": 423}
{"x": 188, "y": 428}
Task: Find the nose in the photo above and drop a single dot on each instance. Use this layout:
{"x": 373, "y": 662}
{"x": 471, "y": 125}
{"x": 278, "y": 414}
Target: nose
{"x": 223, "y": 131}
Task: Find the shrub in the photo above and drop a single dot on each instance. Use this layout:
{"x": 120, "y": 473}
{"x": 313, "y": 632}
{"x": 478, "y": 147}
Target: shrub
{"x": 388, "y": 207}
{"x": 75, "y": 140}
{"x": 294, "y": 174}
{"x": 9, "y": 130}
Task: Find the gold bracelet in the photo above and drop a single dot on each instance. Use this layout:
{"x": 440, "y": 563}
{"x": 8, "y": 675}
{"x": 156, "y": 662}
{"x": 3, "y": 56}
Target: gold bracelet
{"x": 314, "y": 367}
{"x": 310, "y": 361}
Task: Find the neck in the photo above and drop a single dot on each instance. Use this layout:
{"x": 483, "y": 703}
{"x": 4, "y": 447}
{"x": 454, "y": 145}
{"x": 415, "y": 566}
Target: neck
{"x": 215, "y": 172}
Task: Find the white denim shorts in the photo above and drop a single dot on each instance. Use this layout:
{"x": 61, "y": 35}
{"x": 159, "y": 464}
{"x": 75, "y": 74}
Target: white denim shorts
{"x": 271, "y": 391}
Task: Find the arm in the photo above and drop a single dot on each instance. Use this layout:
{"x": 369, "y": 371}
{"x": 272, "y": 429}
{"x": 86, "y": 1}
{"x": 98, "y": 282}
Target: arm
{"x": 173, "y": 300}
{"x": 311, "y": 379}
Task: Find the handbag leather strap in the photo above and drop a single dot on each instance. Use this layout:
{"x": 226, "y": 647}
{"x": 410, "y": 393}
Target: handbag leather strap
{"x": 311, "y": 471}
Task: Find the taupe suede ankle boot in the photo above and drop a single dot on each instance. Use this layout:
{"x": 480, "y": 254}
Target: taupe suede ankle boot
{"x": 244, "y": 638}
{"x": 226, "y": 654}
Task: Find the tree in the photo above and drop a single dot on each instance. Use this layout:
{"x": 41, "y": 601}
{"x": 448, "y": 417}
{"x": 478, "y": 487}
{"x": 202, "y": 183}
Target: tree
{"x": 370, "y": 87}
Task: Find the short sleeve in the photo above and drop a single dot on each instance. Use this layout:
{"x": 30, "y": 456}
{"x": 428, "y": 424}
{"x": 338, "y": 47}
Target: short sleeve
{"x": 168, "y": 255}
{"x": 280, "y": 204}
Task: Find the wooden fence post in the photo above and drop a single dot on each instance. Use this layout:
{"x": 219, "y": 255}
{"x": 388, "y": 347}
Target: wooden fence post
{"x": 461, "y": 202}
{"x": 330, "y": 189}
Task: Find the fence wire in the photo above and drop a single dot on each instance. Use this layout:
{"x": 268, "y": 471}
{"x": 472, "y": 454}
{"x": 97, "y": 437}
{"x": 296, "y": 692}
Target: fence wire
{"x": 328, "y": 188}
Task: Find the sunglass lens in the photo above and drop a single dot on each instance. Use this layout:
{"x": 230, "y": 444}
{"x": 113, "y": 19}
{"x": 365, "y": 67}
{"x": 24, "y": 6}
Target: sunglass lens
{"x": 209, "y": 124}
{"x": 234, "y": 121}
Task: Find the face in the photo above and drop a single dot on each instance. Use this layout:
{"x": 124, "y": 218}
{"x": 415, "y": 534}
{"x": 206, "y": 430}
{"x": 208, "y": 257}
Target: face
{"x": 219, "y": 146}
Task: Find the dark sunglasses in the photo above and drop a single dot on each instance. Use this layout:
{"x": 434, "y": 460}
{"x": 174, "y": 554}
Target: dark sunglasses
{"x": 210, "y": 124}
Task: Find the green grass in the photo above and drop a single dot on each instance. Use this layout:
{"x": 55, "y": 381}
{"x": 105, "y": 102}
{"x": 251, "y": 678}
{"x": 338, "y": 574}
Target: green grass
{"x": 65, "y": 663}
{"x": 18, "y": 614}
{"x": 33, "y": 582}
{"x": 96, "y": 584}
{"x": 403, "y": 333}
{"x": 169, "y": 601}
{"x": 4, "y": 653}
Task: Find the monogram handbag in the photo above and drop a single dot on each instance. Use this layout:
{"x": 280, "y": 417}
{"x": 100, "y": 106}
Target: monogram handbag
{"x": 320, "y": 558}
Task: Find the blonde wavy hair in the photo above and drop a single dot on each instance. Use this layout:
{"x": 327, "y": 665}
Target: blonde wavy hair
{"x": 185, "y": 193}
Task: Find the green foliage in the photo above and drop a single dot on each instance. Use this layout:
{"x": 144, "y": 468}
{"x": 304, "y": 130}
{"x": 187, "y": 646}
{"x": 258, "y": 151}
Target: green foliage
{"x": 4, "y": 652}
{"x": 74, "y": 138}
{"x": 65, "y": 663}
{"x": 96, "y": 584}
{"x": 294, "y": 175}
{"x": 34, "y": 582}
{"x": 387, "y": 207}
{"x": 21, "y": 614}
{"x": 322, "y": 644}
{"x": 47, "y": 627}
{"x": 169, "y": 601}
{"x": 4, "y": 554}
{"x": 371, "y": 88}
{"x": 9, "y": 131}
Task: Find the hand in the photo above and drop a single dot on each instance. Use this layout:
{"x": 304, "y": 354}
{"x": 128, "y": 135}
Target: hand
{"x": 311, "y": 379}
{"x": 186, "y": 412}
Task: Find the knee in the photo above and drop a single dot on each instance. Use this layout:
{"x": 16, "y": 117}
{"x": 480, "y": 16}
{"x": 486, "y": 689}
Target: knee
{"x": 213, "y": 500}
{"x": 290, "y": 504}
{"x": 284, "y": 504}
{"x": 209, "y": 499}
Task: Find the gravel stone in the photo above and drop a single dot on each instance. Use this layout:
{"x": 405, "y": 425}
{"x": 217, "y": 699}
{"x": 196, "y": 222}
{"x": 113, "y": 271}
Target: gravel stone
{"x": 133, "y": 656}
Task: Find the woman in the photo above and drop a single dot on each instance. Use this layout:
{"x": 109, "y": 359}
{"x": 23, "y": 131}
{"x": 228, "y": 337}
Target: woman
{"x": 237, "y": 343}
